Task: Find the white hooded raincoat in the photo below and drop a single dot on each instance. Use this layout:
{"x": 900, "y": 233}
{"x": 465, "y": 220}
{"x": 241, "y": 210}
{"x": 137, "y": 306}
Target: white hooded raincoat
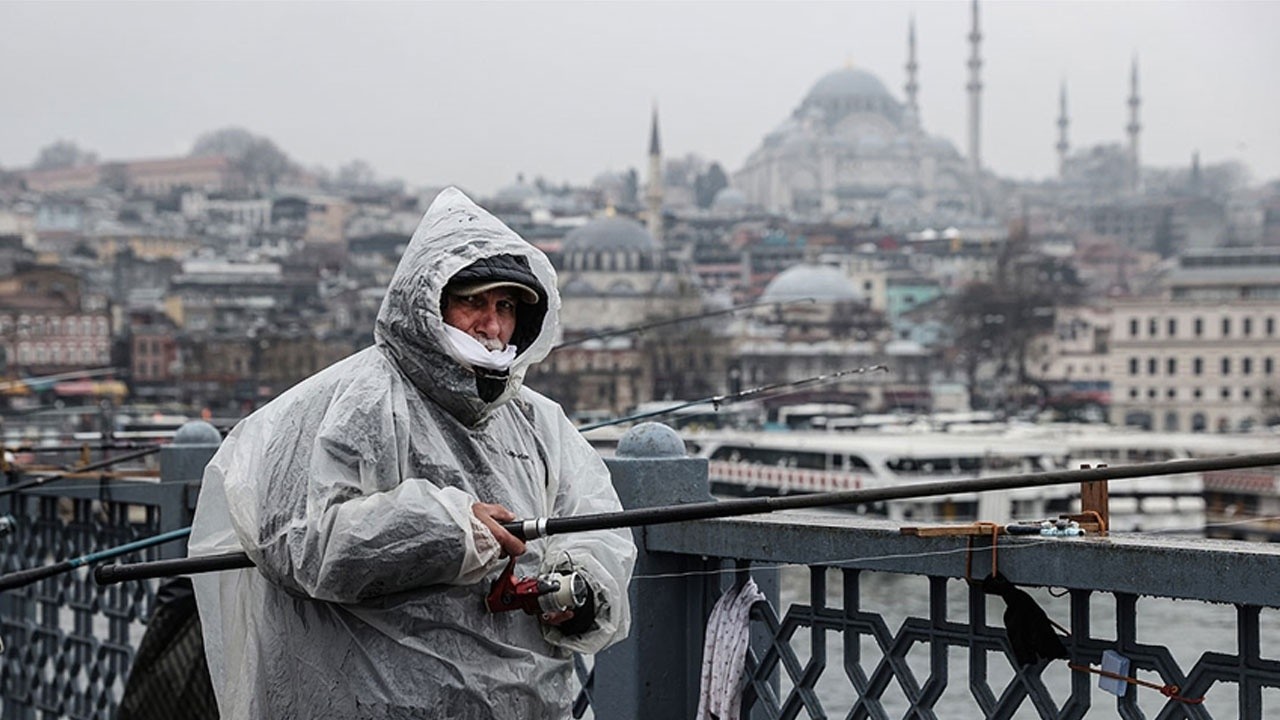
{"x": 352, "y": 492}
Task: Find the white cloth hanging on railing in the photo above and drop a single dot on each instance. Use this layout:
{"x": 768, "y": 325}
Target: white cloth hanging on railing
{"x": 724, "y": 653}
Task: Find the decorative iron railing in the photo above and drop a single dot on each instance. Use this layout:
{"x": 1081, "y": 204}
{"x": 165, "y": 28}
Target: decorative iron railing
{"x": 862, "y": 621}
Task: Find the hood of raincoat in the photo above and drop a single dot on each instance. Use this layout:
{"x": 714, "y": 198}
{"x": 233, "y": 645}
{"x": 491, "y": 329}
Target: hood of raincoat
{"x": 453, "y": 234}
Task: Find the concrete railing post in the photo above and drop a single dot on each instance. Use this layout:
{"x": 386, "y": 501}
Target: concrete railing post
{"x": 181, "y": 469}
{"x": 654, "y": 673}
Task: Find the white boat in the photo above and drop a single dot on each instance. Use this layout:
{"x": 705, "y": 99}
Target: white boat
{"x": 779, "y": 463}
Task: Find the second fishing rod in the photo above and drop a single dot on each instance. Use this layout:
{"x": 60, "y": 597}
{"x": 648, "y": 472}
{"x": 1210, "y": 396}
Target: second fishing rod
{"x": 533, "y": 528}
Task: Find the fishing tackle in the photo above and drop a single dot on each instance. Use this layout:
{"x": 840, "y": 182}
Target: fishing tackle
{"x": 548, "y": 593}
{"x": 718, "y": 400}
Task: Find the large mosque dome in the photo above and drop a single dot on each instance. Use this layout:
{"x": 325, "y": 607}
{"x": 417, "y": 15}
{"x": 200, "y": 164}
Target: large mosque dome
{"x": 842, "y": 151}
{"x": 823, "y": 283}
{"x": 610, "y": 234}
{"x": 848, "y": 82}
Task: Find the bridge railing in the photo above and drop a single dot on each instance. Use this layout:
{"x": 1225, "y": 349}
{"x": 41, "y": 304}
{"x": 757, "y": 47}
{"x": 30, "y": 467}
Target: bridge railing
{"x": 860, "y": 621}
{"x": 863, "y": 621}
{"x": 68, "y": 642}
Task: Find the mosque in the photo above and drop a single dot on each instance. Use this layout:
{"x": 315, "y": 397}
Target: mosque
{"x": 852, "y": 151}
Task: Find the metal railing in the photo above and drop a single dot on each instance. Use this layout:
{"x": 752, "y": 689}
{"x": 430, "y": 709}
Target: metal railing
{"x": 68, "y": 642}
{"x": 866, "y": 622}
{"x": 861, "y": 622}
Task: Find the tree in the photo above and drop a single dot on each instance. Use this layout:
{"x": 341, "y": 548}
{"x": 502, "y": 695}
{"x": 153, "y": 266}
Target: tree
{"x": 708, "y": 184}
{"x": 228, "y": 142}
{"x": 63, "y": 154}
{"x": 997, "y": 321}
{"x": 256, "y": 158}
{"x": 355, "y": 174}
{"x": 631, "y": 187}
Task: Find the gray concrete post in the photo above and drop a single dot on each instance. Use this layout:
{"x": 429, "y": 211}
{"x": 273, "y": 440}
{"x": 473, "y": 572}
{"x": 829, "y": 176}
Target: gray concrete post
{"x": 654, "y": 672}
{"x": 181, "y": 469}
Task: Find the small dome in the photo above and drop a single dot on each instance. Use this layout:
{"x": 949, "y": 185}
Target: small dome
{"x": 610, "y": 234}
{"x": 729, "y": 199}
{"x": 847, "y": 83}
{"x": 823, "y": 283}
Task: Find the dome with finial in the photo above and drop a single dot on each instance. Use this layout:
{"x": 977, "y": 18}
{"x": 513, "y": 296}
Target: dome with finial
{"x": 822, "y": 283}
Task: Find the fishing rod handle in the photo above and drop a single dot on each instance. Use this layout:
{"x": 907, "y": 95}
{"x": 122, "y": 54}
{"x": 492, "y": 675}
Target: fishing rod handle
{"x": 123, "y": 572}
{"x": 526, "y": 530}
{"x": 22, "y": 578}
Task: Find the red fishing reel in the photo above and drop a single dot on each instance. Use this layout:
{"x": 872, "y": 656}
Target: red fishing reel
{"x": 549, "y": 593}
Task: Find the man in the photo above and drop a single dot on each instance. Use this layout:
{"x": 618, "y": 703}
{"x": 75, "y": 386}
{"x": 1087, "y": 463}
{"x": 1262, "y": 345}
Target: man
{"x": 370, "y": 495}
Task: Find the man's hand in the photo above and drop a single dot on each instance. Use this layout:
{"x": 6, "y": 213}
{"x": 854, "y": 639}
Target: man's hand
{"x": 492, "y": 515}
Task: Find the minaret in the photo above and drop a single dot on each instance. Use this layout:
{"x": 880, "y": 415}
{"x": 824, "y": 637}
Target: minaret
{"x": 653, "y": 195}
{"x": 1133, "y": 128}
{"x": 912, "y": 87}
{"x": 975, "y": 96}
{"x": 1063, "y": 146}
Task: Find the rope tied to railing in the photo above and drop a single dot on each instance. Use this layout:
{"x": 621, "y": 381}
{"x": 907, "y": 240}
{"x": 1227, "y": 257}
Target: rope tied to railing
{"x": 1170, "y": 691}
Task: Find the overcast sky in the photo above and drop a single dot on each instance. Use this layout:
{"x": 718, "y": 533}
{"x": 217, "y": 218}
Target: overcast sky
{"x": 474, "y": 93}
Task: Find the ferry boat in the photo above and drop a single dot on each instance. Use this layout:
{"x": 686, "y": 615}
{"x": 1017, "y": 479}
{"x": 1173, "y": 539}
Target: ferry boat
{"x": 747, "y": 463}
{"x": 779, "y": 463}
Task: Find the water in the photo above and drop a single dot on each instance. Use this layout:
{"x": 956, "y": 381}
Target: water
{"x": 1187, "y": 628}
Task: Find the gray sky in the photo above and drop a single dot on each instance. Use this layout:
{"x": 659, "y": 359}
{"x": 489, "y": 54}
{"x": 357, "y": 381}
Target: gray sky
{"x": 473, "y": 93}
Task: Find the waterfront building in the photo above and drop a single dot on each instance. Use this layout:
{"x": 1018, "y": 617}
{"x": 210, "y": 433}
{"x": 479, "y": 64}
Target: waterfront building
{"x": 1202, "y": 354}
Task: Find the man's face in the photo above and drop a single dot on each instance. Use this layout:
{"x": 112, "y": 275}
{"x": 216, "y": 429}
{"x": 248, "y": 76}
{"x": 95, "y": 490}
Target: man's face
{"x": 489, "y": 317}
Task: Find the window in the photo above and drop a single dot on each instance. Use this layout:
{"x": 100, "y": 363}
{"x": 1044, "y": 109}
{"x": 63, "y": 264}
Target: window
{"x": 1268, "y": 365}
{"x": 1246, "y": 394}
{"x": 1133, "y": 327}
{"x": 1197, "y": 366}
{"x": 1226, "y": 366}
{"x": 1271, "y": 326}
{"x": 1226, "y": 326}
{"x": 1151, "y": 393}
{"x": 1247, "y": 326}
{"x": 1172, "y": 393}
{"x": 1226, "y": 393}
{"x": 1133, "y": 366}
{"x": 1153, "y": 366}
{"x": 1246, "y": 366}
{"x": 1171, "y": 366}
{"x": 1133, "y": 393}
{"x": 1197, "y": 393}
{"x": 1198, "y": 327}
{"x": 1173, "y": 327}
{"x": 1152, "y": 327}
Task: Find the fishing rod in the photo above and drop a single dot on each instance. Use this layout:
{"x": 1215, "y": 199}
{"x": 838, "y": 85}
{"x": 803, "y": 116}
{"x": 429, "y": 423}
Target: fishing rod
{"x": 677, "y": 320}
{"x": 717, "y": 400}
{"x": 22, "y": 578}
{"x": 71, "y": 375}
{"x": 39, "y": 449}
{"x": 542, "y": 527}
{"x": 45, "y": 479}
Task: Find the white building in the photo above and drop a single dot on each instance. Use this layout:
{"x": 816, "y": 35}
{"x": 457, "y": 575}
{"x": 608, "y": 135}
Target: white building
{"x": 1203, "y": 355}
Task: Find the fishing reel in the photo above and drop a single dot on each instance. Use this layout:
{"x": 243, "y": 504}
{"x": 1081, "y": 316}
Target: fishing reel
{"x": 547, "y": 593}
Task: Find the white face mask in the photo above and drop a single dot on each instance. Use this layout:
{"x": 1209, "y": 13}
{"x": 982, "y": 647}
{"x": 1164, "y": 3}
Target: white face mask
{"x": 477, "y": 354}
